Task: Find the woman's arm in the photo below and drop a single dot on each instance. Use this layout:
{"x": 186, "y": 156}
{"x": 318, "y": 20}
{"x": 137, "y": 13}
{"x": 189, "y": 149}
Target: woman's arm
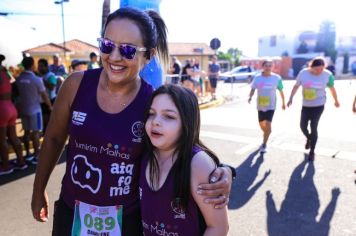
{"x": 54, "y": 140}
{"x": 354, "y": 105}
{"x": 215, "y": 218}
{"x": 294, "y": 90}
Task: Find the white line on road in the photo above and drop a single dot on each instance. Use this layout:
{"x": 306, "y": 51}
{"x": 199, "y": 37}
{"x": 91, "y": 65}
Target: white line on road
{"x": 278, "y": 144}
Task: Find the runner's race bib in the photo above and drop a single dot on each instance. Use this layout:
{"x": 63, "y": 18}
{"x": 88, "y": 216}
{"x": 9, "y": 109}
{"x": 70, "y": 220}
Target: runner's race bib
{"x": 264, "y": 101}
{"x": 95, "y": 220}
{"x": 309, "y": 94}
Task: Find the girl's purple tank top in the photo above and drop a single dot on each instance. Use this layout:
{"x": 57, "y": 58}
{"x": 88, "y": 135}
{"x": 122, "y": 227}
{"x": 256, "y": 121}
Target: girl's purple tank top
{"x": 160, "y": 211}
{"x": 105, "y": 150}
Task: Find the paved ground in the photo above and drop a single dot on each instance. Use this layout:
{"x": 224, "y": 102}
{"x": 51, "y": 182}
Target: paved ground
{"x": 279, "y": 193}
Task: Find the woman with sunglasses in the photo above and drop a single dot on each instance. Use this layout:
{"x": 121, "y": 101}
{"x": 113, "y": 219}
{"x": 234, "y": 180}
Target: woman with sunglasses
{"x": 266, "y": 84}
{"x": 314, "y": 81}
{"x": 102, "y": 112}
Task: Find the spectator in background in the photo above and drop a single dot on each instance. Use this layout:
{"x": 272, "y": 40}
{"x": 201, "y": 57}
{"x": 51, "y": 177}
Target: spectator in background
{"x": 31, "y": 90}
{"x": 57, "y": 68}
{"x": 331, "y": 68}
{"x": 214, "y": 70}
{"x": 78, "y": 65}
{"x": 185, "y": 75}
{"x": 8, "y": 125}
{"x": 175, "y": 70}
{"x": 50, "y": 82}
{"x": 93, "y": 63}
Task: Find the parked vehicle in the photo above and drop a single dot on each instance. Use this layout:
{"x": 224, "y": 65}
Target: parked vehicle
{"x": 238, "y": 74}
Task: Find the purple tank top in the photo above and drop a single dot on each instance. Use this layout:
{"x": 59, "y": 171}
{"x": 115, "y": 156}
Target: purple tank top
{"x": 105, "y": 150}
{"x": 160, "y": 212}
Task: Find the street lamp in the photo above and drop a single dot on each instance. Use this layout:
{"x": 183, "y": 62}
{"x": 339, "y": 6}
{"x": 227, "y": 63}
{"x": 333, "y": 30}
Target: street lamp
{"x": 64, "y": 40}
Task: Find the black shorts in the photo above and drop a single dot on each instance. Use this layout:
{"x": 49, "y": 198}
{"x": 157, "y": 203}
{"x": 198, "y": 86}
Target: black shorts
{"x": 213, "y": 82}
{"x": 265, "y": 115}
{"x": 63, "y": 220}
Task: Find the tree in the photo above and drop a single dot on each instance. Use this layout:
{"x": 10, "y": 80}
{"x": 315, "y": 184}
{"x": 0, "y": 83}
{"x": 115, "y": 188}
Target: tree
{"x": 326, "y": 40}
{"x": 303, "y": 48}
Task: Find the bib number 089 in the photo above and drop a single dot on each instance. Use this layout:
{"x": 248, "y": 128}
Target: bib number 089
{"x": 99, "y": 222}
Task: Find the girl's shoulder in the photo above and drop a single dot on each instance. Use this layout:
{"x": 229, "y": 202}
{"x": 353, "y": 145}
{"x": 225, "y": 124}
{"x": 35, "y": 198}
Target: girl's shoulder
{"x": 202, "y": 165}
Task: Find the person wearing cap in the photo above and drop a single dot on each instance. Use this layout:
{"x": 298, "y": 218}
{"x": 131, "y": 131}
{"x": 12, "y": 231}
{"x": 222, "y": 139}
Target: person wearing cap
{"x": 314, "y": 81}
{"x": 78, "y": 65}
{"x": 93, "y": 63}
{"x": 57, "y": 68}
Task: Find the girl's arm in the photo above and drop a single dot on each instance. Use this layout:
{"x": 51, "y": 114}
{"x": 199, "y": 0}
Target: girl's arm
{"x": 54, "y": 140}
{"x": 354, "y": 105}
{"x": 283, "y": 101}
{"x": 334, "y": 94}
{"x": 251, "y": 95}
{"x": 215, "y": 218}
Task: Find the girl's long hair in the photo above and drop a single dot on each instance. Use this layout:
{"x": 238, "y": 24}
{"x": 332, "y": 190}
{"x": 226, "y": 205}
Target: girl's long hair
{"x": 188, "y": 108}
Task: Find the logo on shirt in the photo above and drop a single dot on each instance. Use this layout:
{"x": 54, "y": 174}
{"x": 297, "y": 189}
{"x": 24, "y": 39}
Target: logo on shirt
{"x": 78, "y": 117}
{"x": 85, "y": 174}
{"x": 137, "y": 131}
{"x": 177, "y": 209}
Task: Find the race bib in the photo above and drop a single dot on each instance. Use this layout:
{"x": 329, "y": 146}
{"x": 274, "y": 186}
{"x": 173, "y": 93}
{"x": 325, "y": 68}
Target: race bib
{"x": 309, "y": 94}
{"x": 95, "y": 220}
{"x": 264, "y": 101}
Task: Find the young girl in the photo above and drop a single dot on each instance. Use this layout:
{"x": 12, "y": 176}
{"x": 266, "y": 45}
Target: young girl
{"x": 176, "y": 162}
{"x": 266, "y": 84}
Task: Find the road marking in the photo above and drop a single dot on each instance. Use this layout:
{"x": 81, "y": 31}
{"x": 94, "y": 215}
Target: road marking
{"x": 278, "y": 144}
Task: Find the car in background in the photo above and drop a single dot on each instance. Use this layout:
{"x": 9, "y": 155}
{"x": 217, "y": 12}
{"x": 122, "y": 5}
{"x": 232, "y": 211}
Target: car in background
{"x": 239, "y": 74}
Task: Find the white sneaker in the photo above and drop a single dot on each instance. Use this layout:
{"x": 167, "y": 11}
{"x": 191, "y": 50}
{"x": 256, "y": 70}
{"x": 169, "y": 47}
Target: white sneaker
{"x": 6, "y": 171}
{"x": 263, "y": 148}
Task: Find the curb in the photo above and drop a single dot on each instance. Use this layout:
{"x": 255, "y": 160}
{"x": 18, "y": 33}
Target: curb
{"x": 213, "y": 103}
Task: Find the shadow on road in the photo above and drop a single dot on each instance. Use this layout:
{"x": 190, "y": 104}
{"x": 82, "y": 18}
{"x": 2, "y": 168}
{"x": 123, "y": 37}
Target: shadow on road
{"x": 242, "y": 189}
{"x": 4, "y": 179}
{"x": 299, "y": 209}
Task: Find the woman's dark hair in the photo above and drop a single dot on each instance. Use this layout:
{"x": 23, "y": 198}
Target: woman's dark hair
{"x": 27, "y": 62}
{"x": 152, "y": 27}
{"x": 43, "y": 62}
{"x": 2, "y": 58}
{"x": 265, "y": 61}
{"x": 317, "y": 61}
{"x": 188, "y": 108}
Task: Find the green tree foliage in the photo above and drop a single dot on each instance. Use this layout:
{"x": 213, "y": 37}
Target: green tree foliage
{"x": 233, "y": 55}
{"x": 326, "y": 39}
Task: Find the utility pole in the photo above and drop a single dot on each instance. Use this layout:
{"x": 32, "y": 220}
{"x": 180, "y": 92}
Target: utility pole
{"x": 63, "y": 31}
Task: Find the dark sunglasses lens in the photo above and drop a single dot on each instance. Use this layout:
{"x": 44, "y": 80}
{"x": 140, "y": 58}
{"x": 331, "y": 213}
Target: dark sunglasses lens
{"x": 127, "y": 51}
{"x": 106, "y": 46}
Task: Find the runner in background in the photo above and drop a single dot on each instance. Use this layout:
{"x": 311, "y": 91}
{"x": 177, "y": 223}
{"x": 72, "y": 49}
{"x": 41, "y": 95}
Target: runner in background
{"x": 266, "y": 84}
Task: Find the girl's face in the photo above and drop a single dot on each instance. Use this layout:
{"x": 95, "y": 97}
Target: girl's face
{"x": 317, "y": 70}
{"x": 164, "y": 125}
{"x": 118, "y": 68}
{"x": 267, "y": 67}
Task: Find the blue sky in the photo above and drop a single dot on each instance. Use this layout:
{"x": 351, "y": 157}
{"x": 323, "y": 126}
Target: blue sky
{"x": 237, "y": 23}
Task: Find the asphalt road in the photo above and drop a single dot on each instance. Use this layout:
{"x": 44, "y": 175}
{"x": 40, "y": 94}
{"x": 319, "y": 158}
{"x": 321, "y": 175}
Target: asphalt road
{"x": 279, "y": 193}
